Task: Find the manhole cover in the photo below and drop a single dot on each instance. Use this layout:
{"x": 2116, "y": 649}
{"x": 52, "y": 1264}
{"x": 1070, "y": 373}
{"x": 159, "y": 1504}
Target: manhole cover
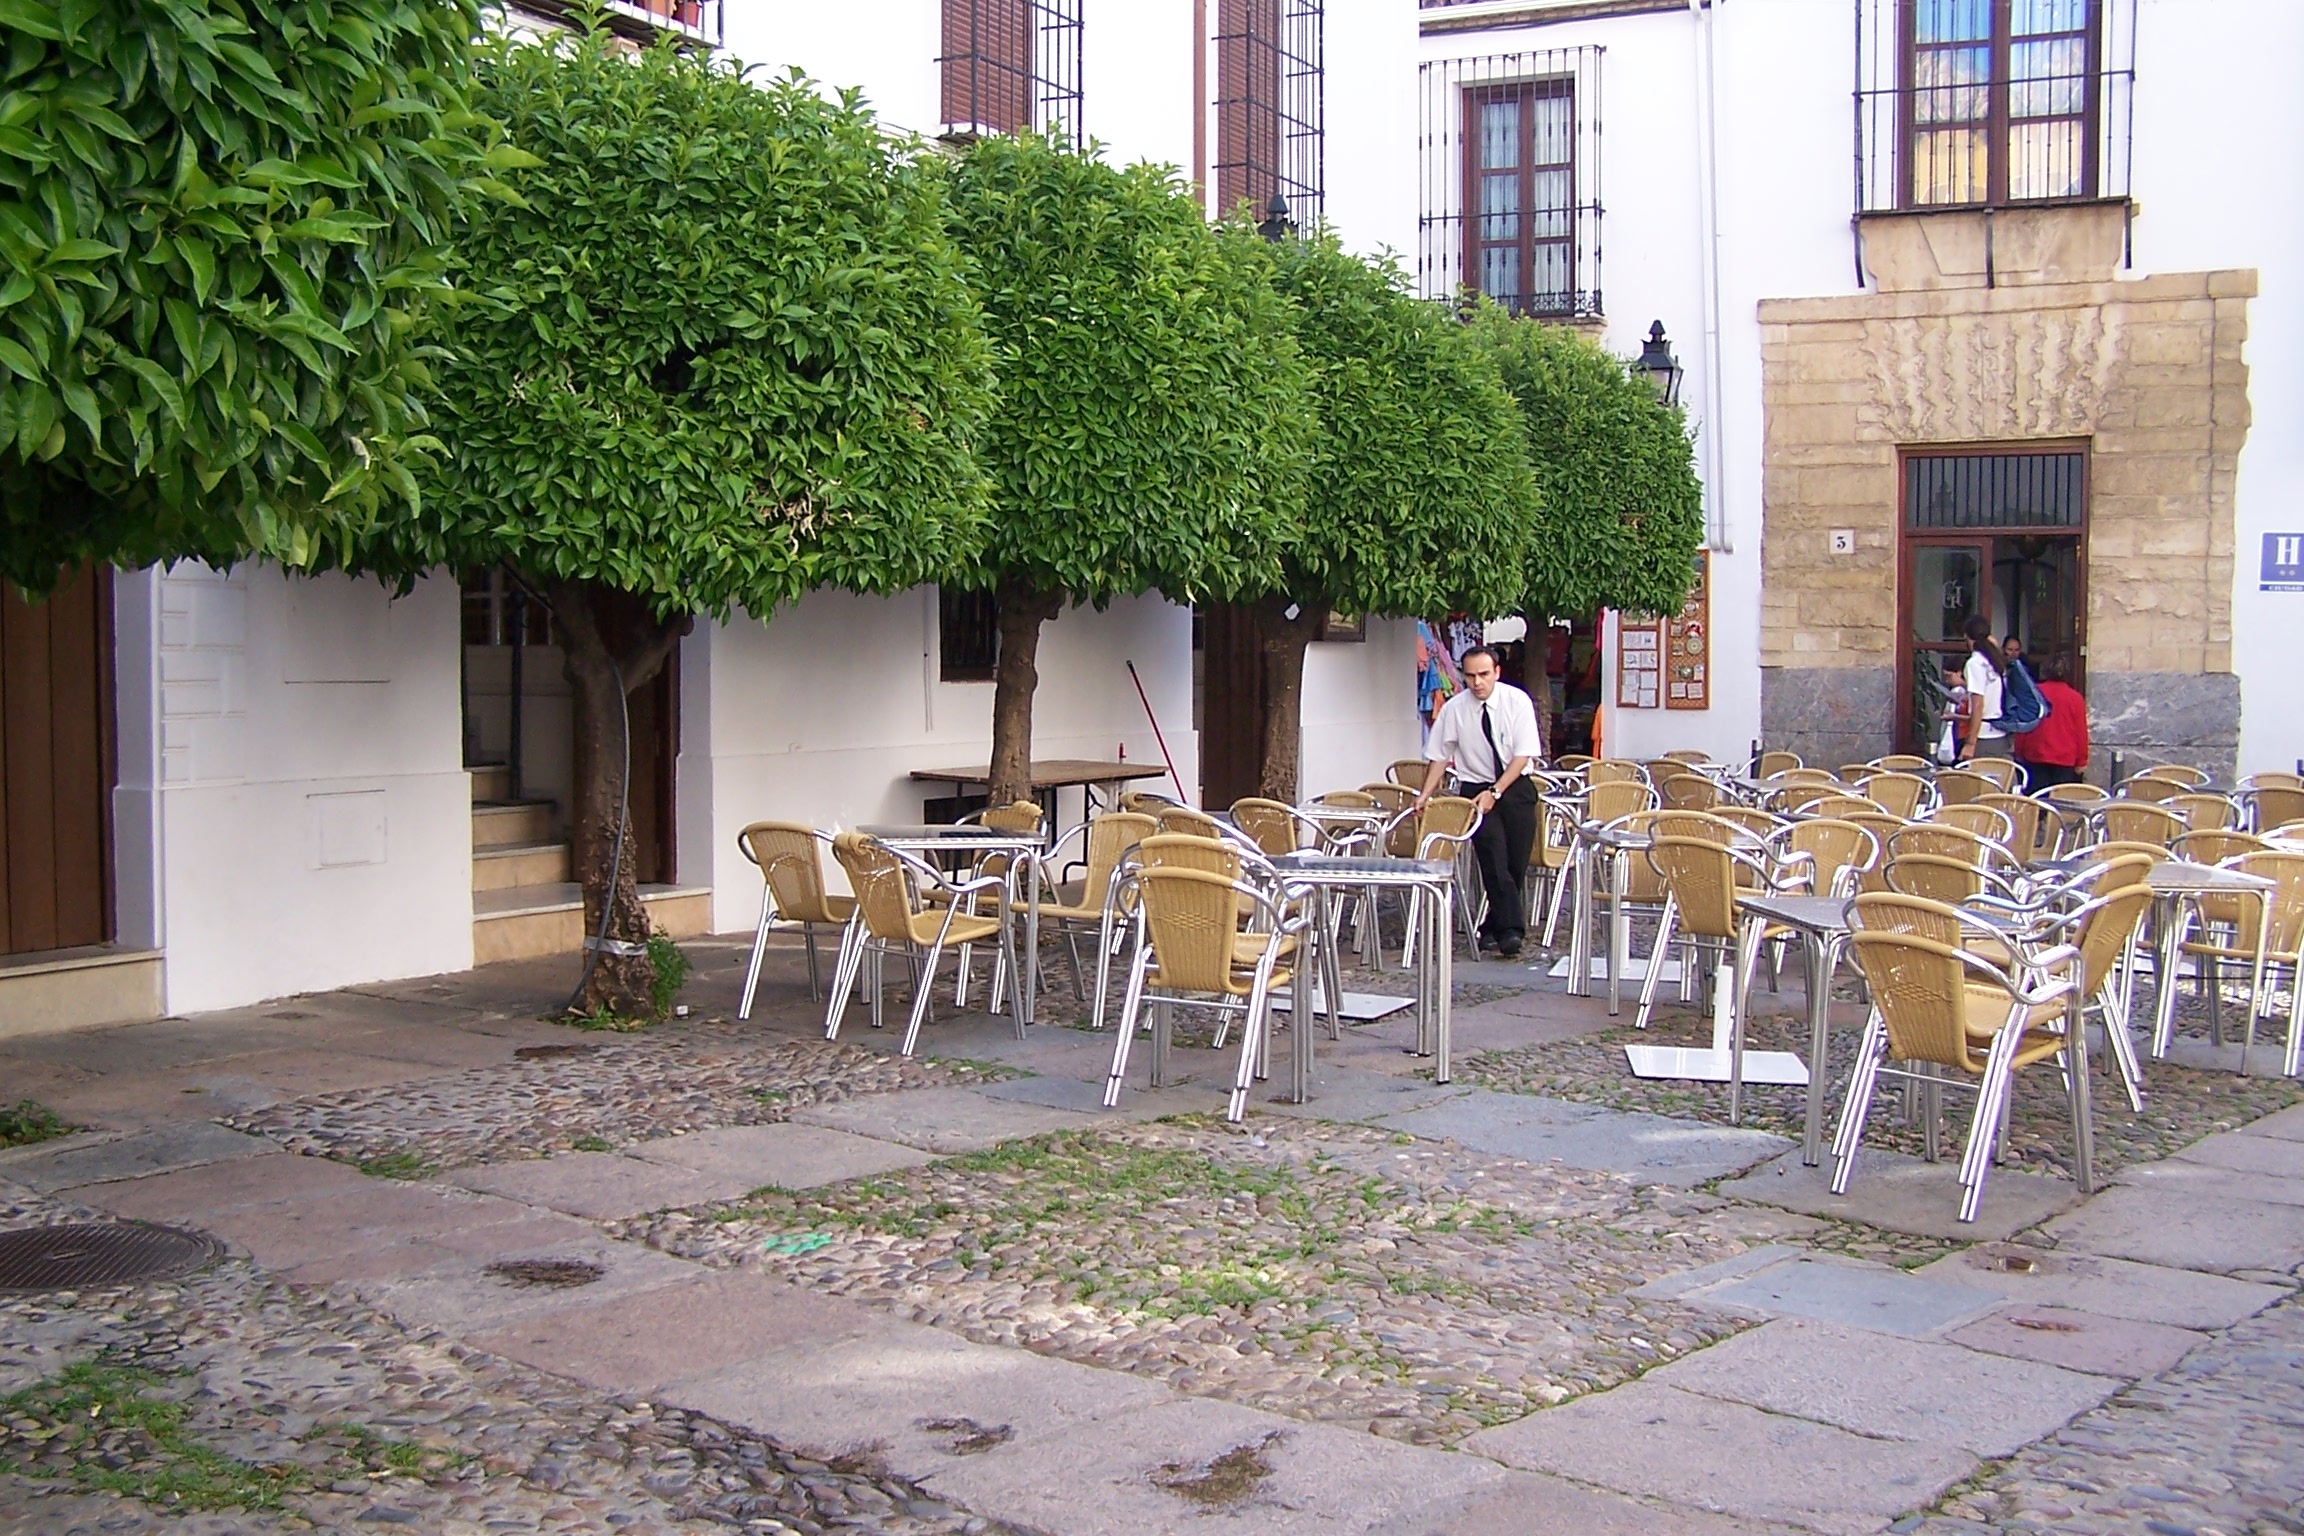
{"x": 90, "y": 1254}
{"x": 560, "y": 1274}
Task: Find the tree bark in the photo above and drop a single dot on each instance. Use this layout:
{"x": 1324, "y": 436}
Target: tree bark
{"x": 1023, "y": 609}
{"x": 1282, "y": 642}
{"x": 604, "y": 634}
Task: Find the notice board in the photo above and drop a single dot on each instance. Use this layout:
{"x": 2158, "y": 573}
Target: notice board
{"x": 1639, "y": 662}
{"x": 1688, "y": 644}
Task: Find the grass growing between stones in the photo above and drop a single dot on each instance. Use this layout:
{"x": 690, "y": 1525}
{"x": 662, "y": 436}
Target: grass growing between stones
{"x": 2181, "y": 1104}
{"x": 1316, "y": 1270}
{"x": 29, "y": 1122}
{"x": 395, "y": 1165}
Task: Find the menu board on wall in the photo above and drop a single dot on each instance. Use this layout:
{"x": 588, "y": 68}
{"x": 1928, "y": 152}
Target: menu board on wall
{"x": 1639, "y": 663}
{"x": 1688, "y": 644}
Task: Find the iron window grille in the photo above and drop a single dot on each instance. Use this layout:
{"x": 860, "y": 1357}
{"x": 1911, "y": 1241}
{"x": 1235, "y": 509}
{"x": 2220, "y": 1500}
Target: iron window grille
{"x": 967, "y": 636}
{"x": 1011, "y": 65}
{"x": 1951, "y": 491}
{"x": 1992, "y": 103}
{"x": 1508, "y": 147}
{"x": 1271, "y": 106}
{"x": 643, "y": 21}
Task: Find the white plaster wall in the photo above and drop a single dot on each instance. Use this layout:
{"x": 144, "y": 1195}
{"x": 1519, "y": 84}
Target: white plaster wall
{"x": 887, "y": 48}
{"x": 1371, "y": 119}
{"x": 297, "y": 788}
{"x": 820, "y": 714}
{"x": 1359, "y": 707}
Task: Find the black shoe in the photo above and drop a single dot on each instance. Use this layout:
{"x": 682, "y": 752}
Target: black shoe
{"x": 1508, "y": 950}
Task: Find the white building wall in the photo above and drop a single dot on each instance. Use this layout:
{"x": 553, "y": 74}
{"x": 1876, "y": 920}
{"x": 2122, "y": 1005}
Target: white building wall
{"x": 1359, "y": 707}
{"x": 821, "y": 714}
{"x": 292, "y": 789}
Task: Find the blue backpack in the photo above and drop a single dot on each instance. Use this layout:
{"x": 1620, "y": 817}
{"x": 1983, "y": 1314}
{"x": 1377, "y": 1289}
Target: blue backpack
{"x": 2021, "y": 706}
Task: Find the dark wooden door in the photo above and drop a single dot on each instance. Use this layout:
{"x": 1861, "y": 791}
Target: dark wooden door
{"x": 1231, "y": 705}
{"x": 56, "y": 766}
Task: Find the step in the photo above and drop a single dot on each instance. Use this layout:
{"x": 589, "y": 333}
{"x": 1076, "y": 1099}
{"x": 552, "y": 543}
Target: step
{"x": 516, "y": 864}
{"x": 490, "y": 781}
{"x": 511, "y": 823}
{"x": 77, "y": 989}
{"x": 522, "y": 922}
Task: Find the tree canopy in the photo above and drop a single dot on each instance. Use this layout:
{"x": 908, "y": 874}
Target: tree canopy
{"x": 1152, "y": 427}
{"x": 221, "y": 220}
{"x": 1621, "y": 513}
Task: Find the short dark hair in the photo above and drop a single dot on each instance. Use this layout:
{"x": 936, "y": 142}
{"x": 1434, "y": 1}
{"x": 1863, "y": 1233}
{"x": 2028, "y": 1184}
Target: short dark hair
{"x": 2056, "y": 669}
{"x": 1488, "y": 651}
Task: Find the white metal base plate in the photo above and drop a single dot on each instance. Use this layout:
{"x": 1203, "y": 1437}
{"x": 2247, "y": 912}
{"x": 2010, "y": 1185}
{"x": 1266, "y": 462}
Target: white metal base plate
{"x": 1635, "y": 969}
{"x": 1711, "y": 1066}
{"x": 1358, "y": 1006}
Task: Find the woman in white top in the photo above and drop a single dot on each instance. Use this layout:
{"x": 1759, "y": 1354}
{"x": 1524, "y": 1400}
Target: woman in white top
{"x": 1982, "y": 678}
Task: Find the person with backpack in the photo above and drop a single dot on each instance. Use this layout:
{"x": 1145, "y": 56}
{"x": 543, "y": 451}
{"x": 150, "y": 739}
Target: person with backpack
{"x": 2057, "y": 752}
{"x": 1984, "y": 680}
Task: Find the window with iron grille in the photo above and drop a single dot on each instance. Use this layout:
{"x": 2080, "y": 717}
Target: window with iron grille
{"x": 967, "y": 636}
{"x": 1010, "y": 65}
{"x": 1271, "y": 102}
{"x": 1510, "y": 171}
{"x": 1985, "y": 103}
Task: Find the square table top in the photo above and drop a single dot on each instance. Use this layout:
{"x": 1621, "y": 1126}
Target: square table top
{"x": 1817, "y": 914}
{"x": 1056, "y": 773}
{"x": 1305, "y": 862}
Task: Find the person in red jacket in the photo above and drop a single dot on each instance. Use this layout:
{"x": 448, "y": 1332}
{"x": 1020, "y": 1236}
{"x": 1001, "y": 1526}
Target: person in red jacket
{"x": 2056, "y": 750}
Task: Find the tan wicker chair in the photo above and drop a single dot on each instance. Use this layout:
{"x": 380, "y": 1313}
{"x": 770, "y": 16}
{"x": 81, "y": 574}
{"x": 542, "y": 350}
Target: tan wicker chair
{"x": 1190, "y": 949}
{"x": 1882, "y": 826}
{"x": 2006, "y": 774}
{"x": 1701, "y": 877}
{"x": 1614, "y": 771}
{"x": 789, "y": 858}
{"x": 1983, "y": 820}
{"x": 2183, "y": 774}
{"x": 1274, "y": 825}
{"x": 1843, "y": 806}
{"x": 1936, "y": 877}
{"x": 1899, "y": 762}
{"x": 2229, "y": 931}
{"x": 1958, "y": 786}
{"x": 2024, "y": 813}
{"x": 2272, "y": 805}
{"x": 2214, "y": 846}
{"x": 1408, "y": 772}
{"x": 892, "y": 919}
{"x": 2138, "y": 821}
{"x": 1824, "y": 776}
{"x": 1443, "y": 831}
{"x": 1794, "y": 799}
{"x": 1937, "y": 1006}
{"x": 1838, "y": 853}
{"x": 1689, "y": 755}
{"x": 1773, "y": 763}
{"x": 1952, "y": 842}
{"x": 2205, "y": 812}
{"x": 2273, "y": 780}
{"x": 1761, "y": 824}
{"x": 2144, "y": 788}
{"x": 1182, "y": 820}
{"x": 1105, "y": 842}
{"x": 1688, "y": 791}
{"x": 1142, "y": 802}
{"x": 1899, "y": 794}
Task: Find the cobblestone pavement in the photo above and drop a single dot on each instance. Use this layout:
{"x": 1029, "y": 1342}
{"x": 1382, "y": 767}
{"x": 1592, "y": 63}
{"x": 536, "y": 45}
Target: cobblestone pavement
{"x": 231, "y": 1391}
{"x": 2182, "y": 1104}
{"x": 594, "y": 1092}
{"x": 2208, "y": 1447}
{"x": 1334, "y": 1273}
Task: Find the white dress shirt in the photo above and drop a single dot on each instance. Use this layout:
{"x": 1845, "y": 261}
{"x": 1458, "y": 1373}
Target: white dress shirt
{"x": 1457, "y": 738}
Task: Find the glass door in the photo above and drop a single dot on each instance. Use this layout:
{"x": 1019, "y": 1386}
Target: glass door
{"x": 1945, "y": 583}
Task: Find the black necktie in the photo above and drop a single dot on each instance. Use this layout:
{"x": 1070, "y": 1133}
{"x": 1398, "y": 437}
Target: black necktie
{"x": 1488, "y": 729}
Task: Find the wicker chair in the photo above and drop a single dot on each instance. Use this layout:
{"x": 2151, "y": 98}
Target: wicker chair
{"x": 1773, "y": 763}
{"x": 1952, "y": 842}
{"x": 2228, "y": 933}
{"x": 1689, "y": 755}
{"x": 1793, "y": 799}
{"x": 2177, "y": 773}
{"x": 1183, "y": 821}
{"x": 1838, "y": 854}
{"x": 2205, "y": 812}
{"x": 1443, "y": 831}
{"x": 2138, "y": 821}
{"x": 2273, "y": 780}
{"x": 2272, "y": 805}
{"x": 2006, "y": 774}
{"x": 1408, "y": 772}
{"x": 1882, "y": 826}
{"x": 891, "y": 918}
{"x": 1899, "y": 794}
{"x": 789, "y": 858}
{"x": 1843, "y": 806}
{"x": 1983, "y": 820}
{"x": 1018, "y": 818}
{"x": 1104, "y": 841}
{"x": 2214, "y": 846}
{"x": 2024, "y": 815}
{"x": 1824, "y": 776}
{"x": 1899, "y": 762}
{"x": 1701, "y": 877}
{"x": 1275, "y": 826}
{"x": 1939, "y": 878}
{"x": 1142, "y": 802}
{"x": 1189, "y": 948}
{"x": 1937, "y": 1006}
{"x": 2146, "y": 788}
{"x": 1959, "y": 786}
{"x": 1688, "y": 791}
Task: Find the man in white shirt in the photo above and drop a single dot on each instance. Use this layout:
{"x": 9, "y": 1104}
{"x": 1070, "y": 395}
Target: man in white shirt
{"x": 1487, "y": 737}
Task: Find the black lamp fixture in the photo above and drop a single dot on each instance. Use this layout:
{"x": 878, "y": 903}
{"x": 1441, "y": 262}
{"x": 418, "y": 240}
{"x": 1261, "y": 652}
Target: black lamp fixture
{"x": 1277, "y": 226}
{"x": 1662, "y": 368}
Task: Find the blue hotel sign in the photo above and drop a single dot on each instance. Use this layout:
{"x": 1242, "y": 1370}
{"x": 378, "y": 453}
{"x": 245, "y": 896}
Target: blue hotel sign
{"x": 2283, "y": 569}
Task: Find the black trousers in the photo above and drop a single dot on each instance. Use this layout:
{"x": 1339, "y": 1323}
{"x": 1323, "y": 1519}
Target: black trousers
{"x": 1501, "y": 846}
{"x": 2039, "y": 778}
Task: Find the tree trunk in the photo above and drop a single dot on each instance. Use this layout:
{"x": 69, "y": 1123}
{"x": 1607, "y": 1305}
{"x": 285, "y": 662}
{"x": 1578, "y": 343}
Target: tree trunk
{"x": 604, "y": 634}
{"x": 1023, "y": 609}
{"x": 1282, "y": 641}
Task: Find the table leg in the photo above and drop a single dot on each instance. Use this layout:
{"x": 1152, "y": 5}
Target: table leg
{"x": 1580, "y": 924}
{"x": 1028, "y": 974}
{"x": 2168, "y": 938}
{"x": 2083, "y": 1121}
{"x": 1619, "y": 933}
{"x": 1815, "y": 947}
{"x": 1443, "y": 994}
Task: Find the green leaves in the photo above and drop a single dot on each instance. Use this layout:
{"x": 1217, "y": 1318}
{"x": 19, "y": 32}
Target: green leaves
{"x": 217, "y": 258}
{"x": 715, "y": 349}
{"x": 1622, "y": 511}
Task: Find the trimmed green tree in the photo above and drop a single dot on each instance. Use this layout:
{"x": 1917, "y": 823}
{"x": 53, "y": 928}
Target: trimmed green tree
{"x": 1620, "y": 510}
{"x": 221, "y": 221}
{"x": 728, "y": 354}
{"x": 1422, "y": 503}
{"x": 1152, "y": 425}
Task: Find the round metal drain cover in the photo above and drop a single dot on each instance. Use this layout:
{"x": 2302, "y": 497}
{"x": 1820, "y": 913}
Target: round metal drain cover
{"x": 87, "y": 1255}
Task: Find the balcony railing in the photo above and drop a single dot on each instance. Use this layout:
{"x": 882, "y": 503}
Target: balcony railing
{"x": 644, "y": 21}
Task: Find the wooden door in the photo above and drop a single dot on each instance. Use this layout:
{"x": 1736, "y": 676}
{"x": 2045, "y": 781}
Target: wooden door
{"x": 56, "y": 766}
{"x": 1231, "y": 705}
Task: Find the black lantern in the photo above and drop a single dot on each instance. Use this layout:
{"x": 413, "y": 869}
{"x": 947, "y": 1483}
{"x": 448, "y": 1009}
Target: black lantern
{"x": 1662, "y": 368}
{"x": 1277, "y": 226}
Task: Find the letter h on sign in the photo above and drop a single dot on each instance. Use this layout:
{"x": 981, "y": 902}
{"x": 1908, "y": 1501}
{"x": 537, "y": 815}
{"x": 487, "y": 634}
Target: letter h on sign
{"x": 2283, "y": 569}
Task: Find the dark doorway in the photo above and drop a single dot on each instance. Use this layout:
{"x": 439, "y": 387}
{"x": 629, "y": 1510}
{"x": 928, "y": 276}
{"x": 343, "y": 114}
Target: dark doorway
{"x": 56, "y": 765}
{"x": 2002, "y": 534}
{"x": 1231, "y": 703}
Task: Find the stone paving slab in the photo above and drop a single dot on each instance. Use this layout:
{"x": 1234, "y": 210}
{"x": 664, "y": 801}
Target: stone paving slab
{"x": 1083, "y": 1097}
{"x": 1656, "y": 1441}
{"x": 1909, "y": 1194}
{"x": 1887, "y": 1387}
{"x": 153, "y": 1047}
{"x": 882, "y": 1394}
{"x": 288, "y": 1233}
{"x": 130, "y": 1157}
{"x": 1852, "y": 1292}
{"x": 2185, "y": 1231}
{"x": 1649, "y": 1148}
{"x": 2287, "y": 1125}
{"x": 2079, "y": 1341}
{"x": 787, "y": 1156}
{"x": 188, "y": 1194}
{"x": 605, "y": 1186}
{"x": 2107, "y": 1287}
{"x": 1109, "y": 1481}
{"x": 1355, "y": 1093}
{"x": 1536, "y": 1504}
{"x": 461, "y": 1297}
{"x": 269, "y": 1075}
{"x": 941, "y": 1120}
{"x": 2247, "y": 1152}
{"x": 2187, "y": 1179}
{"x": 686, "y": 1328}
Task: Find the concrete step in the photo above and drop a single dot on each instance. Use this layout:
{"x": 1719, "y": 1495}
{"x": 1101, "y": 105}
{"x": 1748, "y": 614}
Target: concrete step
{"x": 501, "y": 869}
{"x": 490, "y": 781}
{"x": 511, "y": 823}
{"x": 77, "y": 988}
{"x": 522, "y": 922}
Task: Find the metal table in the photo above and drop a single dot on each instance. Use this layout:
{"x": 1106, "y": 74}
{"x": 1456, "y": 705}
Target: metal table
{"x": 1822, "y": 923}
{"x": 1026, "y": 848}
{"x": 1048, "y": 779}
{"x": 1435, "y": 964}
{"x": 2175, "y": 884}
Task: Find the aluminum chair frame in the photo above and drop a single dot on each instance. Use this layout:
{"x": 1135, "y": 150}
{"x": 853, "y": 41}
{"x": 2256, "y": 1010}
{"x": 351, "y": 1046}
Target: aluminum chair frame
{"x": 859, "y": 939}
{"x": 770, "y": 908}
